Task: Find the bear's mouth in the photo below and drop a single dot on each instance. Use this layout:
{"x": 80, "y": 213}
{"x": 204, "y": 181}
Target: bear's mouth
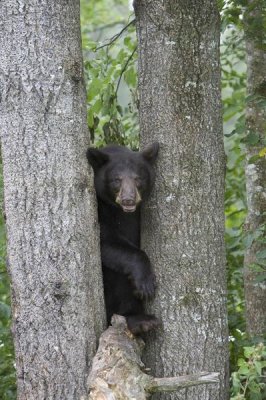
{"x": 128, "y": 197}
{"x": 128, "y": 205}
{"x": 129, "y": 209}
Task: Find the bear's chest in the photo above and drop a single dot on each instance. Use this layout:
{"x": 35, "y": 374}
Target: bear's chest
{"x": 117, "y": 225}
{"x": 128, "y": 227}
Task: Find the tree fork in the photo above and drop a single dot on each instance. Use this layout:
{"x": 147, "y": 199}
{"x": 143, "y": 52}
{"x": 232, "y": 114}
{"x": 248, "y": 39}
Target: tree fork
{"x": 118, "y": 372}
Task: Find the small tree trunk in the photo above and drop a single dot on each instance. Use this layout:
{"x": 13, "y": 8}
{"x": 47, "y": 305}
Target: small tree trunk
{"x": 53, "y": 249}
{"x": 183, "y": 222}
{"x": 255, "y": 289}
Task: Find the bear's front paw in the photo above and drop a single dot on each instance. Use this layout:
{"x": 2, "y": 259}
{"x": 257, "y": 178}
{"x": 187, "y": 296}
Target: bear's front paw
{"x": 139, "y": 324}
{"x": 145, "y": 286}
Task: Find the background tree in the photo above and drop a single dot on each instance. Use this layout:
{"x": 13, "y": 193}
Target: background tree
{"x": 180, "y": 106}
{"x": 53, "y": 251}
{"x": 255, "y": 257}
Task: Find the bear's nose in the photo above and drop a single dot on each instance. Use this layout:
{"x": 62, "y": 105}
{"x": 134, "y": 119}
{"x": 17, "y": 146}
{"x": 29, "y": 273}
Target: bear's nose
{"x": 128, "y": 202}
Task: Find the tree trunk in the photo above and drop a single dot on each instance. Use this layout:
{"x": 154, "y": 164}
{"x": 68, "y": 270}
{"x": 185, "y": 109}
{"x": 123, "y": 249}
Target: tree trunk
{"x": 255, "y": 290}
{"x": 183, "y": 222}
{"x": 53, "y": 249}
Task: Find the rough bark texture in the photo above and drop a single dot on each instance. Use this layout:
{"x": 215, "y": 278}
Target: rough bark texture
{"x": 183, "y": 222}
{"x": 53, "y": 250}
{"x": 255, "y": 291}
{"x": 118, "y": 372}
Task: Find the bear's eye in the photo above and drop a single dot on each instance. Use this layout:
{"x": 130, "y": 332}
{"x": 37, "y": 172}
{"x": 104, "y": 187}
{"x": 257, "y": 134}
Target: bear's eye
{"x": 138, "y": 181}
{"x": 115, "y": 181}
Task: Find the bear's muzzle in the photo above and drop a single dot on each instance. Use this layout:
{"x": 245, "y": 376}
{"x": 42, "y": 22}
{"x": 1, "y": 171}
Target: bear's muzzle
{"x": 128, "y": 196}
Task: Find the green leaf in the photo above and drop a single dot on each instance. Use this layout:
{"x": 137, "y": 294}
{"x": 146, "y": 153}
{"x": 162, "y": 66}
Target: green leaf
{"x": 90, "y": 118}
{"x": 117, "y": 71}
{"x": 252, "y": 138}
{"x": 231, "y": 111}
{"x": 236, "y": 382}
{"x": 262, "y": 152}
{"x": 90, "y": 44}
{"x": 121, "y": 56}
{"x": 252, "y": 97}
{"x": 258, "y": 366}
{"x": 256, "y": 267}
{"x": 127, "y": 41}
{"x": 131, "y": 77}
{"x": 248, "y": 351}
{"x": 108, "y": 99}
{"x": 96, "y": 107}
{"x": 250, "y": 237}
{"x": 119, "y": 109}
{"x": 254, "y": 387}
{"x": 243, "y": 370}
{"x": 261, "y": 278}
{"x": 4, "y": 311}
{"x": 241, "y": 362}
{"x": 253, "y": 159}
{"x": 94, "y": 88}
{"x": 261, "y": 254}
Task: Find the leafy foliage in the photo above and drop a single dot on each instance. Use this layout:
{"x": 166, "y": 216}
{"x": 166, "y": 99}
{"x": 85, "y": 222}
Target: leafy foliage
{"x": 249, "y": 381}
{"x": 233, "y": 91}
{"x": 110, "y": 67}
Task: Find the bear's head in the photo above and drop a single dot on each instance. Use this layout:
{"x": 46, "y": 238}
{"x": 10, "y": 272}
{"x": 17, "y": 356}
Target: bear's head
{"x": 123, "y": 177}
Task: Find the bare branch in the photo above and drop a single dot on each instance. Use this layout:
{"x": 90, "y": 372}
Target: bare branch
{"x": 116, "y": 36}
{"x": 181, "y": 382}
{"x": 107, "y": 26}
{"x": 124, "y": 69}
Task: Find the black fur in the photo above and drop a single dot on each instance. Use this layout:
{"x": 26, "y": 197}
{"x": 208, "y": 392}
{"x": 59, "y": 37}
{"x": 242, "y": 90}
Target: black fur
{"x": 123, "y": 179}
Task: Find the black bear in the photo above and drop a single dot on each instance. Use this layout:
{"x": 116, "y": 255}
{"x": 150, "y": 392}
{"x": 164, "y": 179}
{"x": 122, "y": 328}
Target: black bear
{"x": 123, "y": 178}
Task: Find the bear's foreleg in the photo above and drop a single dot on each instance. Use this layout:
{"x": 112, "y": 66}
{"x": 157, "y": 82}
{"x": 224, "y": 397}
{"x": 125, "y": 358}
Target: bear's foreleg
{"x": 133, "y": 262}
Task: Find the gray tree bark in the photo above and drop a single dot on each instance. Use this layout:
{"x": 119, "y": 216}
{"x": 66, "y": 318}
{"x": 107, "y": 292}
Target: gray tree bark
{"x": 52, "y": 229}
{"x": 183, "y": 222}
{"x": 255, "y": 290}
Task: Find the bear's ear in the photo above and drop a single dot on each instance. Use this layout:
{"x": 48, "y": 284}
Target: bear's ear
{"x": 96, "y": 158}
{"x": 150, "y": 152}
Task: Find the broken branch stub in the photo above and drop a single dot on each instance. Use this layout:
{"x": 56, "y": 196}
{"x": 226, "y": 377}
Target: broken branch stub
{"x": 118, "y": 373}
